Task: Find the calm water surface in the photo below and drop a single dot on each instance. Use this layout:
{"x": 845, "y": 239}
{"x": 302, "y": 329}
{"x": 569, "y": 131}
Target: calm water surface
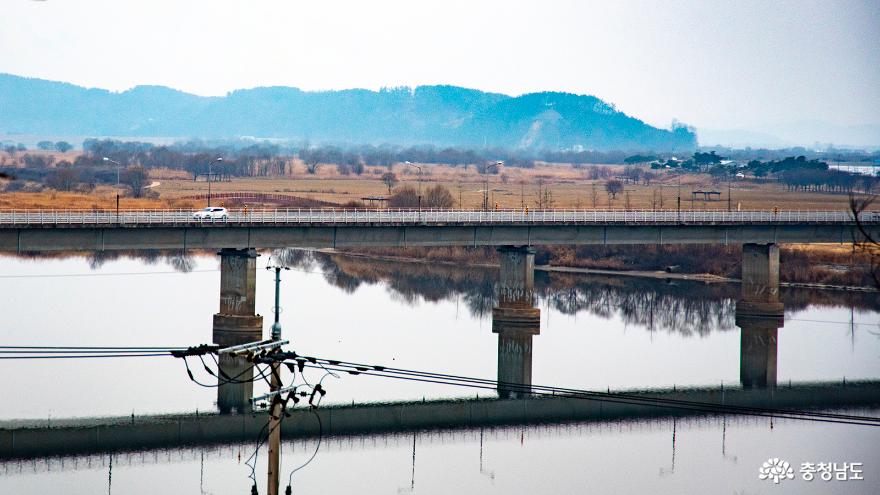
{"x": 596, "y": 333}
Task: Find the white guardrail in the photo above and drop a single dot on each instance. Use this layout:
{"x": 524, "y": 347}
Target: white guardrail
{"x": 426, "y": 216}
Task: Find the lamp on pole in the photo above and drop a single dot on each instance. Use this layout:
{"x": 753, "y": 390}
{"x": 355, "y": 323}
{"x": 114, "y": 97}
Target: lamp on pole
{"x": 218, "y": 159}
{"x": 117, "y": 167}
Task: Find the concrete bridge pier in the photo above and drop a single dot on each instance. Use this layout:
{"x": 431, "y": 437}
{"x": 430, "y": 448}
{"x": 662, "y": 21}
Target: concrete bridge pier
{"x": 760, "y": 315}
{"x": 237, "y": 323}
{"x": 515, "y": 320}
{"x": 757, "y": 350}
{"x": 760, "y": 280}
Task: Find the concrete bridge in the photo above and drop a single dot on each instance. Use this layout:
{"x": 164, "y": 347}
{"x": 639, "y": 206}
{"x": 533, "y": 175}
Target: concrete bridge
{"x": 41, "y": 230}
{"x": 759, "y": 312}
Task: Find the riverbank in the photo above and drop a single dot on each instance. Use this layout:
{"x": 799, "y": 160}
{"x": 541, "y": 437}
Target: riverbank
{"x": 653, "y": 274}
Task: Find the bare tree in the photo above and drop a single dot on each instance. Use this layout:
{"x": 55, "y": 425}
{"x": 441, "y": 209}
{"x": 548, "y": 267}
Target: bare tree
{"x": 63, "y": 179}
{"x": 311, "y": 158}
{"x": 438, "y": 197}
{"x": 613, "y": 187}
{"x": 404, "y": 197}
{"x": 390, "y": 180}
{"x": 594, "y": 195}
{"x": 543, "y": 196}
{"x": 135, "y": 178}
{"x": 869, "y": 242}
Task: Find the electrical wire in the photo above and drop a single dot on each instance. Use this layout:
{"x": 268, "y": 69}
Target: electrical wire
{"x": 92, "y": 347}
{"x": 411, "y": 375}
{"x": 87, "y": 356}
{"x": 314, "y": 454}
{"x": 358, "y": 367}
{"x": 642, "y": 401}
{"x": 856, "y": 323}
{"x": 85, "y": 351}
{"x": 233, "y": 379}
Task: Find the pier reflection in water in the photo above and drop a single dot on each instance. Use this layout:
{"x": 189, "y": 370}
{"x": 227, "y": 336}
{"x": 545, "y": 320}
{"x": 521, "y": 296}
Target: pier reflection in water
{"x": 420, "y": 316}
{"x": 682, "y": 332}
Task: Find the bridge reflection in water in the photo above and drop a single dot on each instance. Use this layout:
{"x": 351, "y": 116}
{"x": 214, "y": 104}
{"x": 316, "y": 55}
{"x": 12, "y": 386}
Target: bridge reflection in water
{"x": 92, "y": 435}
{"x": 515, "y": 320}
{"x": 759, "y": 314}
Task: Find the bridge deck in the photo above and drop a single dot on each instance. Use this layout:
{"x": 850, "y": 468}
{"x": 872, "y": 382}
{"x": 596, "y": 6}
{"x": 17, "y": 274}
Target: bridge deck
{"x": 37, "y": 230}
{"x": 300, "y": 216}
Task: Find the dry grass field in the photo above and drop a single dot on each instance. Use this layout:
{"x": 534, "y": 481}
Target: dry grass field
{"x": 570, "y": 187}
{"x": 513, "y": 188}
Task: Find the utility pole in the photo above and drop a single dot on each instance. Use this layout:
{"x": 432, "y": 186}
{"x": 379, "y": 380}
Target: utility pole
{"x": 275, "y": 408}
{"x": 486, "y": 197}
{"x": 420, "y": 187}
{"x": 678, "y": 202}
{"x": 728, "y": 193}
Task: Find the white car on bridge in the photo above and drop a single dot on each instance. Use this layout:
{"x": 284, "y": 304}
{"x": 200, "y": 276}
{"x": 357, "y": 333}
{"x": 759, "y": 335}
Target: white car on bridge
{"x": 211, "y": 213}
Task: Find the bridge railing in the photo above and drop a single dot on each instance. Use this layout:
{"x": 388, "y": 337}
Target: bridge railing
{"x": 426, "y": 216}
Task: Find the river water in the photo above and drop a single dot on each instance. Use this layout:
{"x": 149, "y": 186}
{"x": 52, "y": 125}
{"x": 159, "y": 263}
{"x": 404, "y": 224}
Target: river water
{"x": 595, "y": 333}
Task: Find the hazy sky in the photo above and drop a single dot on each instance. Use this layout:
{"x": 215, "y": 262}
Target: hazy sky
{"x": 718, "y": 64}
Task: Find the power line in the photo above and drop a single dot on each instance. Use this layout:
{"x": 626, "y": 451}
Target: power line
{"x": 87, "y": 356}
{"x": 440, "y": 378}
{"x": 89, "y": 347}
{"x": 636, "y": 400}
{"x": 832, "y": 321}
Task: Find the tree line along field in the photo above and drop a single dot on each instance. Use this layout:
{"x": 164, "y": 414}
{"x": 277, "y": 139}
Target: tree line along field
{"x": 556, "y": 185}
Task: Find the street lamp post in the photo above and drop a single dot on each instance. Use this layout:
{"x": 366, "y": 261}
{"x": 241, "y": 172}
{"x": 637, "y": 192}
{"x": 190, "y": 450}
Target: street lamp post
{"x": 728, "y": 192}
{"x": 486, "y": 184}
{"x": 420, "y": 187}
{"x": 117, "y": 167}
{"x": 678, "y": 200}
{"x": 218, "y": 159}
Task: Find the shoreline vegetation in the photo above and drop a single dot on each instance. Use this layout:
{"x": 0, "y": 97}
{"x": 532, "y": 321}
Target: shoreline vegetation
{"x": 659, "y": 274}
{"x": 815, "y": 267}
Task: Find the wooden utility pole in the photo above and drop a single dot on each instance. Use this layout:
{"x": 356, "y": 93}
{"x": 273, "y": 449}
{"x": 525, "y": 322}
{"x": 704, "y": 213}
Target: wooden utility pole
{"x": 275, "y": 411}
{"x": 274, "y": 433}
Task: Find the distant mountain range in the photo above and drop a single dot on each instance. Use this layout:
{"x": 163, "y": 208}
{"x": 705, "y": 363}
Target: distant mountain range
{"x": 438, "y": 115}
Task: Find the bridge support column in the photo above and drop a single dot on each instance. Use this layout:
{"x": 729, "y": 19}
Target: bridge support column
{"x": 515, "y": 320}
{"x": 760, "y": 315}
{"x": 237, "y": 323}
{"x": 760, "y": 280}
{"x": 758, "y": 350}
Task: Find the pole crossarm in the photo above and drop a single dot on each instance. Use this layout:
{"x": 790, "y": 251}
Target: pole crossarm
{"x": 253, "y": 347}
